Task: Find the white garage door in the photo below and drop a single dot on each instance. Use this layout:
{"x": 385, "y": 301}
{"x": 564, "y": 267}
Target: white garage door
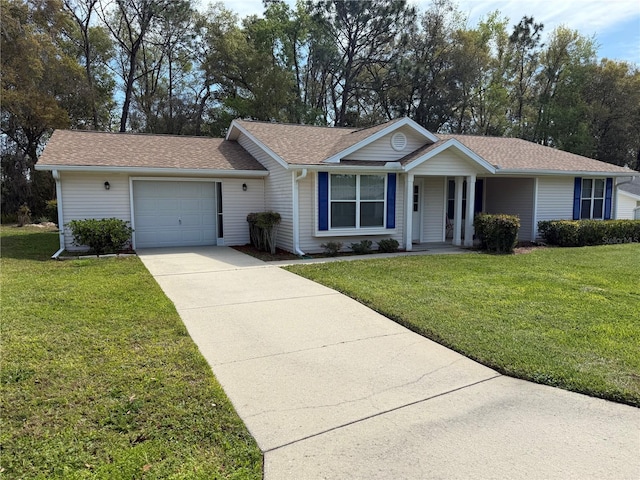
{"x": 171, "y": 214}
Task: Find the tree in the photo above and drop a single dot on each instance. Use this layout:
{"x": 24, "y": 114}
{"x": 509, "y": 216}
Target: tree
{"x": 613, "y": 94}
{"x": 364, "y": 34}
{"x": 525, "y": 50}
{"x": 94, "y": 51}
{"x": 130, "y": 22}
{"x": 43, "y": 87}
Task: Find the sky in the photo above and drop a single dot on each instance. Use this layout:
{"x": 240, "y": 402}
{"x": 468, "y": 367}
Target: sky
{"x": 615, "y": 24}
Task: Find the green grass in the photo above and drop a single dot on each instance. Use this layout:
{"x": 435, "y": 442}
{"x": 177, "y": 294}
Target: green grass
{"x": 563, "y": 317}
{"x": 100, "y": 379}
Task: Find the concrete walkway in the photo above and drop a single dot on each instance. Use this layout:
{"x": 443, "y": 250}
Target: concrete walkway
{"x": 332, "y": 390}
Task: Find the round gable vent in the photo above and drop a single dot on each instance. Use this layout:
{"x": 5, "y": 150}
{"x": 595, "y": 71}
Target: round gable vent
{"x": 398, "y": 141}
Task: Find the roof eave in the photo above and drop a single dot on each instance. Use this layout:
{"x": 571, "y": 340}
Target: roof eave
{"x": 155, "y": 170}
{"x": 571, "y": 173}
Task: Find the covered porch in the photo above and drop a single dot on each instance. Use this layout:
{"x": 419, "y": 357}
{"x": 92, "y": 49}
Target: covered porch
{"x": 440, "y": 210}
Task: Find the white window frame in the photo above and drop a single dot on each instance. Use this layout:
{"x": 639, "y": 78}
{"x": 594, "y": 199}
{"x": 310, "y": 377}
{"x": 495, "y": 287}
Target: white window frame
{"x": 358, "y": 202}
{"x": 593, "y": 198}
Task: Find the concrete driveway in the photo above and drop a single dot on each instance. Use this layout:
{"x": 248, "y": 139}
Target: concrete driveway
{"x": 332, "y": 390}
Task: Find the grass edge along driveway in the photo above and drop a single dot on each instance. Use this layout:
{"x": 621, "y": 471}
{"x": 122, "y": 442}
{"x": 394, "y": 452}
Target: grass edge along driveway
{"x": 100, "y": 378}
{"x": 569, "y": 318}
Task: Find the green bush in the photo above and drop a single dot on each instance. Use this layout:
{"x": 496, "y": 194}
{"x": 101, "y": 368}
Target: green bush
{"x": 51, "y": 211}
{"x": 331, "y": 249}
{"x": 362, "y": 248}
{"x": 263, "y": 230}
{"x": 388, "y": 245}
{"x": 497, "y": 233}
{"x": 578, "y": 233}
{"x": 108, "y": 235}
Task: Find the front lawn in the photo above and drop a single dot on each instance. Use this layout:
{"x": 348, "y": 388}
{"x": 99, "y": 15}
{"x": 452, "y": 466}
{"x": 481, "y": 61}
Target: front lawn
{"x": 563, "y": 317}
{"x": 100, "y": 379}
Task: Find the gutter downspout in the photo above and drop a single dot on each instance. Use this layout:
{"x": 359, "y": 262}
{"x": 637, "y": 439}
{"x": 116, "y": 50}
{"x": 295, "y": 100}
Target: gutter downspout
{"x": 56, "y": 177}
{"x": 296, "y": 213}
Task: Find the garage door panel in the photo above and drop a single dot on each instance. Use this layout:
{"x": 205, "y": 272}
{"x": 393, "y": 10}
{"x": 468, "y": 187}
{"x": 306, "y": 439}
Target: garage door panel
{"x": 174, "y": 213}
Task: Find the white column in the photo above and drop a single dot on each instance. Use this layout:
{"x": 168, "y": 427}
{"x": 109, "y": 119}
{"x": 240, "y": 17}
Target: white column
{"x": 457, "y": 216}
{"x": 408, "y": 209}
{"x": 471, "y": 201}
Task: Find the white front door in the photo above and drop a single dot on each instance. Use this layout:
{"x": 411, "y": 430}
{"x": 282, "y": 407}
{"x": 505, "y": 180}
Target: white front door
{"x": 416, "y": 221}
{"x": 174, "y": 213}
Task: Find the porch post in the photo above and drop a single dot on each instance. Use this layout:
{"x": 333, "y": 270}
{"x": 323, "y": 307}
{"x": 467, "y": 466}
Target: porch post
{"x": 408, "y": 206}
{"x": 471, "y": 200}
{"x": 457, "y": 216}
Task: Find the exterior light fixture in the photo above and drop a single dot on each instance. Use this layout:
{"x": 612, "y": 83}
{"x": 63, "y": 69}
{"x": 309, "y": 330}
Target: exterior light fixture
{"x": 244, "y": 187}
{"x": 107, "y": 185}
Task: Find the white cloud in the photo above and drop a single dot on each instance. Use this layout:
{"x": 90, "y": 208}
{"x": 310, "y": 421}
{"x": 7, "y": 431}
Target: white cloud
{"x": 587, "y": 16}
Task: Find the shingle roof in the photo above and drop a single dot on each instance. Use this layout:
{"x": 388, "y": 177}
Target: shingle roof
{"x": 103, "y": 149}
{"x": 517, "y": 154}
{"x": 311, "y": 145}
{"x": 307, "y": 144}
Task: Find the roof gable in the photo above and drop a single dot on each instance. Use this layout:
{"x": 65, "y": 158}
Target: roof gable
{"x": 291, "y": 144}
{"x": 428, "y": 152}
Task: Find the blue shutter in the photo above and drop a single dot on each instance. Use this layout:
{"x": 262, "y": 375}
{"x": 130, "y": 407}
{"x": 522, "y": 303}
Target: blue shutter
{"x": 391, "y": 200}
{"x": 577, "y": 197}
{"x": 607, "y": 199}
{"x": 323, "y": 201}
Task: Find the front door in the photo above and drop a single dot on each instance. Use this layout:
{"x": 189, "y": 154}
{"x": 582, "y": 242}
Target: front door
{"x": 416, "y": 219}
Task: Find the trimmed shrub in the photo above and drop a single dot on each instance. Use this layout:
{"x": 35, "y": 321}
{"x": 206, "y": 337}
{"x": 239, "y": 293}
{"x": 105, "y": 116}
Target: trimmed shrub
{"x": 263, "y": 230}
{"x": 579, "y": 233}
{"x": 331, "y": 249}
{"x": 362, "y": 248}
{"x": 388, "y": 245}
{"x": 24, "y": 215}
{"x": 497, "y": 233}
{"x": 108, "y": 235}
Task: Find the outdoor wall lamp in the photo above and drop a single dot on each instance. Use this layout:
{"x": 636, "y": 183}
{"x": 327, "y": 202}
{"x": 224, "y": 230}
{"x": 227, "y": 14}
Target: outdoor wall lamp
{"x": 107, "y": 185}
{"x": 244, "y": 187}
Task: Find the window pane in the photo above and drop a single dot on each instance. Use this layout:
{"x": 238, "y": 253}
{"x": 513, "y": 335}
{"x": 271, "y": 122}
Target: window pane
{"x": 586, "y": 188}
{"x": 343, "y": 187}
{"x": 597, "y": 209}
{"x": 371, "y": 187}
{"x": 372, "y": 214}
{"x": 599, "y": 188}
{"x": 343, "y": 214}
{"x": 585, "y": 211}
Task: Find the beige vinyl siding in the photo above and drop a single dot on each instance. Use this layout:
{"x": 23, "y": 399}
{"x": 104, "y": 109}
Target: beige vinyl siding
{"x": 237, "y": 204}
{"x": 512, "y": 196}
{"x": 555, "y": 198}
{"x": 381, "y": 150}
{"x": 626, "y": 206}
{"x": 309, "y": 243}
{"x": 433, "y": 216}
{"x": 278, "y": 191}
{"x": 84, "y": 196}
{"x": 447, "y": 163}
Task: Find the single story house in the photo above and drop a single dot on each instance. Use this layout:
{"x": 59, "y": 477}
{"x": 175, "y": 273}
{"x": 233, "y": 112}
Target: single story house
{"x": 629, "y": 200}
{"x": 395, "y": 180}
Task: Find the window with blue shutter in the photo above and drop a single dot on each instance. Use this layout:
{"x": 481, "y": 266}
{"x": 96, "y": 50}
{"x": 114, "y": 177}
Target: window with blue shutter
{"x": 323, "y": 201}
{"x": 358, "y": 202}
{"x": 391, "y": 200}
{"x": 607, "y": 199}
{"x": 577, "y": 195}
